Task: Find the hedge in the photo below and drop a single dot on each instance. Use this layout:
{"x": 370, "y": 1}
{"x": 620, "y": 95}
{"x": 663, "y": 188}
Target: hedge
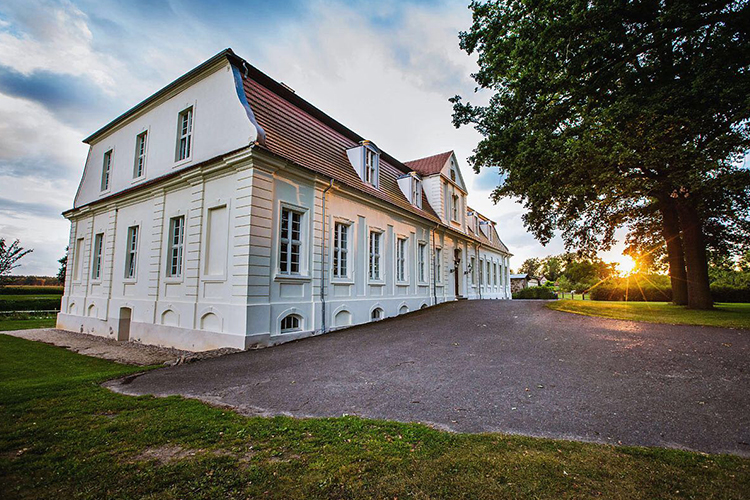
{"x": 649, "y": 293}
{"x": 535, "y": 292}
{"x": 727, "y": 293}
{"x": 632, "y": 292}
{"x": 30, "y": 304}
{"x": 31, "y": 290}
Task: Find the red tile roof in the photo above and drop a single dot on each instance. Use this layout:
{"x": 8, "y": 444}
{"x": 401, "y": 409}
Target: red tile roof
{"x": 302, "y": 134}
{"x": 430, "y": 165}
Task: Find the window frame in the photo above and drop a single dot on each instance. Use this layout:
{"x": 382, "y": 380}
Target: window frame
{"x": 455, "y": 202}
{"x": 175, "y": 250}
{"x": 141, "y": 152}
{"x": 78, "y": 263}
{"x": 380, "y": 314}
{"x": 402, "y": 250}
{"x": 421, "y": 260}
{"x": 96, "y": 257}
{"x": 106, "y": 178}
{"x": 295, "y": 318}
{"x": 375, "y": 260}
{"x": 131, "y": 252}
{"x": 371, "y": 171}
{"x": 187, "y": 136}
{"x": 438, "y": 265}
{"x": 291, "y": 242}
{"x": 340, "y": 249}
{"x": 472, "y": 263}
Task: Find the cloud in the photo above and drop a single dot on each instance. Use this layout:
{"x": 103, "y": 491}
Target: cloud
{"x": 15, "y": 209}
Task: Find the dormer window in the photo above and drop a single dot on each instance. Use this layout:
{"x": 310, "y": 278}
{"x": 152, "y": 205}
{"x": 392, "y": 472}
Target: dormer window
{"x": 416, "y": 192}
{"x": 372, "y": 165}
{"x": 453, "y": 175}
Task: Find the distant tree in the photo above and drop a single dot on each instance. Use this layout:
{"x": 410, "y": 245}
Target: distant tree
{"x": 552, "y": 267}
{"x": 604, "y": 109}
{"x": 9, "y": 256}
{"x": 531, "y": 266}
{"x": 63, "y": 266}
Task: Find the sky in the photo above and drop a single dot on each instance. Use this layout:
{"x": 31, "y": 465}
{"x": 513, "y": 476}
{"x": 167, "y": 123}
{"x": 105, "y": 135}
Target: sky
{"x": 384, "y": 69}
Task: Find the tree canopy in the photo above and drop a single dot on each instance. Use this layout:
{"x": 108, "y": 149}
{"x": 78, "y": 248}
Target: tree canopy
{"x": 602, "y": 111}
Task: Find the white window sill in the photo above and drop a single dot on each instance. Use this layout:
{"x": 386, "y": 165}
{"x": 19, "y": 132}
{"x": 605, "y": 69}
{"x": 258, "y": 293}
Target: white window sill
{"x": 213, "y": 279}
{"x": 342, "y": 281}
{"x": 180, "y": 163}
{"x": 402, "y": 283}
{"x": 173, "y": 279}
{"x": 137, "y": 180}
{"x": 130, "y": 281}
{"x": 291, "y": 278}
{"x": 376, "y": 282}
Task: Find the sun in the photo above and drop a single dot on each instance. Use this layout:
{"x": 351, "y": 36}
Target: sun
{"x": 626, "y": 264}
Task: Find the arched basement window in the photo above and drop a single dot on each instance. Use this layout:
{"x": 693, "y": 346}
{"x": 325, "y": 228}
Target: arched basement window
{"x": 291, "y": 323}
{"x": 377, "y": 314}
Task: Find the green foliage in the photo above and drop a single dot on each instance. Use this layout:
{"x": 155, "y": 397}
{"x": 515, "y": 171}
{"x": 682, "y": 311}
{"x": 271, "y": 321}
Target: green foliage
{"x": 601, "y": 108}
{"x": 64, "y": 436}
{"x": 552, "y": 267}
{"x": 31, "y": 290}
{"x": 535, "y": 292}
{"x": 728, "y": 293}
{"x": 10, "y": 255}
{"x": 531, "y": 267}
{"x": 29, "y": 302}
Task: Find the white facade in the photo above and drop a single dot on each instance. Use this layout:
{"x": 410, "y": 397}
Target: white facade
{"x": 235, "y": 246}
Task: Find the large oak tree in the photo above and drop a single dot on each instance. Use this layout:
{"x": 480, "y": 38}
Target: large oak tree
{"x": 602, "y": 110}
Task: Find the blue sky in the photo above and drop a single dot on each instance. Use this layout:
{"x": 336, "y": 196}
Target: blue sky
{"x": 385, "y": 69}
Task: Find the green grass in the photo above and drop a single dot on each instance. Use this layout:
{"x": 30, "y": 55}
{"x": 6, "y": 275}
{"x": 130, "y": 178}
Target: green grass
{"x": 723, "y": 315}
{"x": 64, "y": 436}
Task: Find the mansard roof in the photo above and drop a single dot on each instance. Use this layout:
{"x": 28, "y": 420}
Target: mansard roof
{"x": 430, "y": 165}
{"x": 297, "y": 131}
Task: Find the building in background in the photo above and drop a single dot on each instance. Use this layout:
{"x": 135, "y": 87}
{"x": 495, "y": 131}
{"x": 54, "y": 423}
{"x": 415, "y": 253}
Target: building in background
{"x": 225, "y": 210}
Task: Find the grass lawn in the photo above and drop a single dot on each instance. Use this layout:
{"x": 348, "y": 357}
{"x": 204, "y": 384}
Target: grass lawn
{"x": 24, "y": 321}
{"x": 724, "y": 315}
{"x": 63, "y": 436}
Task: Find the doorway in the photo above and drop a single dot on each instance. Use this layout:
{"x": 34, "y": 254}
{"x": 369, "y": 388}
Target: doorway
{"x": 123, "y": 329}
{"x": 456, "y": 268}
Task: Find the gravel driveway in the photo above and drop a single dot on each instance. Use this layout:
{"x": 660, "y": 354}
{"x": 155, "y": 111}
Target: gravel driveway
{"x": 498, "y": 366}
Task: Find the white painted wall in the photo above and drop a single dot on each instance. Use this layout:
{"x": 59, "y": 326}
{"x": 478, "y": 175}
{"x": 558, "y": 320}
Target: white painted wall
{"x": 220, "y": 125}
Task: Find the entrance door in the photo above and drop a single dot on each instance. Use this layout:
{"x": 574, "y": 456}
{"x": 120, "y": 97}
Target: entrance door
{"x": 123, "y": 329}
{"x": 456, "y": 268}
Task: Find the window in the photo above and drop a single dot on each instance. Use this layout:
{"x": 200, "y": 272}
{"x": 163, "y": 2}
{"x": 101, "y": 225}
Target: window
{"x": 494, "y": 273}
{"x": 401, "y": 259}
{"x": 416, "y": 192}
{"x": 290, "y": 241}
{"x": 291, "y": 323}
{"x": 473, "y": 271}
{"x": 488, "y": 274}
{"x": 455, "y": 207}
{"x": 77, "y": 259}
{"x": 96, "y": 261}
{"x": 372, "y": 163}
{"x": 140, "y": 155}
{"x": 176, "y": 241}
{"x": 106, "y": 169}
{"x": 439, "y": 265}
{"x": 375, "y": 238}
{"x": 420, "y": 262}
{"x": 340, "y": 250}
{"x": 184, "y": 134}
{"x": 131, "y": 252}
{"x": 377, "y": 314}
{"x": 453, "y": 175}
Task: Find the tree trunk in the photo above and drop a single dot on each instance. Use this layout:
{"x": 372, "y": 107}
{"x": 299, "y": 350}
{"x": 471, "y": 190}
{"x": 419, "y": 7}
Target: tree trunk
{"x": 671, "y": 233}
{"x": 699, "y": 291}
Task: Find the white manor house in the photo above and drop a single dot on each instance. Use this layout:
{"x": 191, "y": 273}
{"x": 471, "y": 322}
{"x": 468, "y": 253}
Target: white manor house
{"x": 227, "y": 211}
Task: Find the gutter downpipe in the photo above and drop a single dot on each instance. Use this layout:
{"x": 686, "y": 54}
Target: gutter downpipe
{"x": 323, "y": 284}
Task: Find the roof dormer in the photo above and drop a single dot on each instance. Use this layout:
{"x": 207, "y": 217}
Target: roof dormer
{"x": 365, "y": 159}
{"x": 411, "y": 185}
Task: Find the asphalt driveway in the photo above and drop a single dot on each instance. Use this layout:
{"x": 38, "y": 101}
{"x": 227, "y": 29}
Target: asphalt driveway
{"x": 498, "y": 366}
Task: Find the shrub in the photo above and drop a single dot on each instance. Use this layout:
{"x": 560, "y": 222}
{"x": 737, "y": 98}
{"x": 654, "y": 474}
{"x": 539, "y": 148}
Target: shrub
{"x": 728, "y": 293}
{"x": 535, "y": 292}
{"x": 31, "y": 290}
{"x": 30, "y": 304}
